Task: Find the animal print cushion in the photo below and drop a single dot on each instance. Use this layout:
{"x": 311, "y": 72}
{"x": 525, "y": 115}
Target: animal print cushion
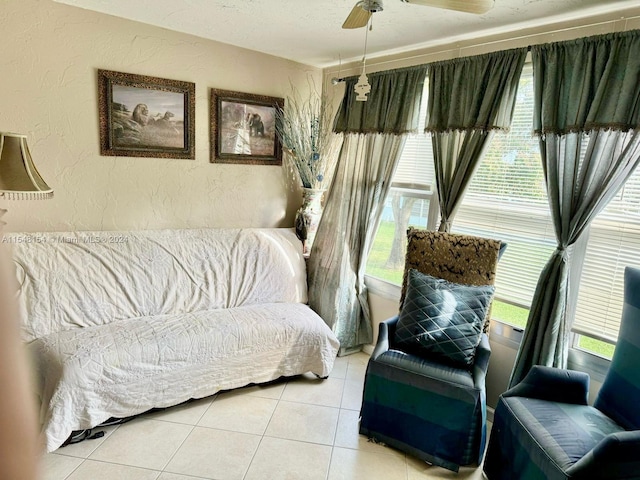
{"x": 442, "y": 319}
{"x": 464, "y": 259}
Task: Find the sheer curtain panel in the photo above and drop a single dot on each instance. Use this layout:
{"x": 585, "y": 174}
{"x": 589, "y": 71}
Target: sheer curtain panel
{"x": 375, "y": 132}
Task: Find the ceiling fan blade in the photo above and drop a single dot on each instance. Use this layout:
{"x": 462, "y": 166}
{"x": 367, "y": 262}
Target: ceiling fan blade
{"x": 468, "y": 6}
{"x": 358, "y": 17}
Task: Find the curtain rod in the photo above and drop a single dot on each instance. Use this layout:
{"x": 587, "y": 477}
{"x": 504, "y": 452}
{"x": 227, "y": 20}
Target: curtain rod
{"x": 337, "y": 80}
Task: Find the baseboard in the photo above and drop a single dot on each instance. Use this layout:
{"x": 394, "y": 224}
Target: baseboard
{"x": 344, "y": 351}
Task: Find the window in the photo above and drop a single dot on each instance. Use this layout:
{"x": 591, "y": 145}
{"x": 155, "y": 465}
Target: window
{"x": 612, "y": 243}
{"x": 507, "y": 200}
{"x": 410, "y": 203}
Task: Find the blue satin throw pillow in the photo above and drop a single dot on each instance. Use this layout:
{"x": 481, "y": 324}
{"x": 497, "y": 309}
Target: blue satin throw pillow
{"x": 441, "y": 319}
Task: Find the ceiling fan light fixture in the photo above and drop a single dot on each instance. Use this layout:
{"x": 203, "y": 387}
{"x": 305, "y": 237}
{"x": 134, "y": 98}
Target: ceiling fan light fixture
{"x": 361, "y": 13}
{"x": 468, "y": 6}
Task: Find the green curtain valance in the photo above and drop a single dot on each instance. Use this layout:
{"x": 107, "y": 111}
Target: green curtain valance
{"x": 393, "y": 105}
{"x": 591, "y": 83}
{"x": 474, "y": 93}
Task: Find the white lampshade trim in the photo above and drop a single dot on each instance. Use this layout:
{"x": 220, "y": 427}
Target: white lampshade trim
{"x": 19, "y": 177}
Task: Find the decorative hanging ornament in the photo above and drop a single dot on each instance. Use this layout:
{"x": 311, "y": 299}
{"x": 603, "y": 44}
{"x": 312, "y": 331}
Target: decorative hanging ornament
{"x": 362, "y": 88}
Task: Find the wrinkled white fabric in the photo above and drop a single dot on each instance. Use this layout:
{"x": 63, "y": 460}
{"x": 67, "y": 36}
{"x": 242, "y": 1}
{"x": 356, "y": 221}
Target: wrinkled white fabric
{"x": 153, "y": 318}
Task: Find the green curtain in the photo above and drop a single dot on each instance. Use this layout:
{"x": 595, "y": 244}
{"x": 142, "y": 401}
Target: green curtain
{"x": 587, "y": 99}
{"x": 469, "y": 99}
{"x": 375, "y": 133}
{"x": 391, "y": 106}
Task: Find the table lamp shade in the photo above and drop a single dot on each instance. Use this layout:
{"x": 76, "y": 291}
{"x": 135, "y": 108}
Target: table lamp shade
{"x": 19, "y": 178}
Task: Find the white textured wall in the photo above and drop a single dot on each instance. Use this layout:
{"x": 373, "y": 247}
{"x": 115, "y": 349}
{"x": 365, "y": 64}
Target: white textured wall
{"x": 49, "y": 56}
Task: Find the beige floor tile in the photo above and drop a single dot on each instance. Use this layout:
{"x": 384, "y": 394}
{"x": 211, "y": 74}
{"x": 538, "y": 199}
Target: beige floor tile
{"x": 110, "y": 471}
{"x": 239, "y": 412}
{"x": 352, "y": 395}
{"x": 359, "y": 358}
{"x": 347, "y": 464}
{"x": 143, "y": 443}
{"x": 57, "y": 467}
{"x": 188, "y": 413}
{"x": 86, "y": 447}
{"x": 356, "y": 371}
{"x": 348, "y": 436}
{"x": 278, "y": 459}
{"x": 216, "y": 454}
{"x": 312, "y": 390}
{"x": 306, "y": 423}
{"x": 339, "y": 368}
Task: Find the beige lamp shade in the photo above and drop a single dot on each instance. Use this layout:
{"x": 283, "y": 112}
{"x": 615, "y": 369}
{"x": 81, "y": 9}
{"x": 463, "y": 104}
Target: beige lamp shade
{"x": 19, "y": 178}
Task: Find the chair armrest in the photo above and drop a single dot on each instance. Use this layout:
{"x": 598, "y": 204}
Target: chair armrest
{"x": 385, "y": 330}
{"x": 553, "y": 384}
{"x": 616, "y": 456}
{"x": 481, "y": 361}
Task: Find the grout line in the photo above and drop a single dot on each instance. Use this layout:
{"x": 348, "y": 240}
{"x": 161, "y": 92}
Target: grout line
{"x": 193, "y": 427}
{"x": 264, "y": 433}
{"x": 126, "y": 465}
{"x": 333, "y": 447}
{"x": 74, "y": 470}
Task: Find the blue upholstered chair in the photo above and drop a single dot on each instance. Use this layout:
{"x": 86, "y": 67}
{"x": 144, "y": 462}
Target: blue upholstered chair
{"x": 421, "y": 404}
{"x": 544, "y": 429}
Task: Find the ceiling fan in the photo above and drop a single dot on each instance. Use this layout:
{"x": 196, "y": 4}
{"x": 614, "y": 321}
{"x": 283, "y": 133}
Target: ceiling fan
{"x": 362, "y": 11}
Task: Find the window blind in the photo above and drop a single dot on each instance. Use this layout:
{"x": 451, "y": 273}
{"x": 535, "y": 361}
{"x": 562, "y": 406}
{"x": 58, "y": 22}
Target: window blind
{"x": 613, "y": 243}
{"x": 415, "y": 167}
{"x": 528, "y": 233}
{"x": 507, "y": 200}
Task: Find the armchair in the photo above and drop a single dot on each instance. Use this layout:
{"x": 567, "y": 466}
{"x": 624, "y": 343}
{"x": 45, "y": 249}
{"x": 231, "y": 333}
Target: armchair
{"x": 544, "y": 428}
{"x": 421, "y": 403}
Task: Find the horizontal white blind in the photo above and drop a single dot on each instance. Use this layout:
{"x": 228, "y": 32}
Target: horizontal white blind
{"x": 613, "y": 244}
{"x": 511, "y": 171}
{"x": 416, "y": 163}
{"x": 506, "y": 200}
{"x": 530, "y": 241}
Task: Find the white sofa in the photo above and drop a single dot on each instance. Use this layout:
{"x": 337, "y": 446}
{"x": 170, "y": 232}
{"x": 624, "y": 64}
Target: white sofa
{"x": 122, "y": 322}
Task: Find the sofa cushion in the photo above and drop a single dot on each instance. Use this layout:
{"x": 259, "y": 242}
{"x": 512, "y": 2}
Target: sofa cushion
{"x": 427, "y": 368}
{"x": 442, "y": 319}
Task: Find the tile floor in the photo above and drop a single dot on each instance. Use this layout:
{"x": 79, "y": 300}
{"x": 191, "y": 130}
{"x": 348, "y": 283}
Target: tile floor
{"x": 302, "y": 429}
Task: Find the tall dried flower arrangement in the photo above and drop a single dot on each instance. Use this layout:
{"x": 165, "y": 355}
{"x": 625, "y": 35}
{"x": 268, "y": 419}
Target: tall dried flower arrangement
{"x": 304, "y": 128}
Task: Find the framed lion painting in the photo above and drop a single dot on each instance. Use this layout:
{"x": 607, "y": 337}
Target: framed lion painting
{"x": 142, "y": 116}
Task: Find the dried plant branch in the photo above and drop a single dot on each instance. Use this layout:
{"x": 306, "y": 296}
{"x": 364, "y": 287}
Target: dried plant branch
{"x": 304, "y": 128}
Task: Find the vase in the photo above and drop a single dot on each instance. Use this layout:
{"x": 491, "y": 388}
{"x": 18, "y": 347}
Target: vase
{"x": 308, "y": 217}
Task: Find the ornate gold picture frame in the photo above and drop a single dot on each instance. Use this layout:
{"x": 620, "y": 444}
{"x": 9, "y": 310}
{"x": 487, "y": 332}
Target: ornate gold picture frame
{"x": 142, "y": 116}
{"x": 243, "y": 128}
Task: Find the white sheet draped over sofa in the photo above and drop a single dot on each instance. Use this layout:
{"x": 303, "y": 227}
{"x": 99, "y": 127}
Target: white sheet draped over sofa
{"x": 121, "y": 322}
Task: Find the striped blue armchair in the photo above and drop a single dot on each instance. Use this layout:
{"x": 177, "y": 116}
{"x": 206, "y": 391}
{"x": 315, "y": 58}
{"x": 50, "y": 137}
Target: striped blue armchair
{"x": 417, "y": 402}
{"x": 544, "y": 429}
